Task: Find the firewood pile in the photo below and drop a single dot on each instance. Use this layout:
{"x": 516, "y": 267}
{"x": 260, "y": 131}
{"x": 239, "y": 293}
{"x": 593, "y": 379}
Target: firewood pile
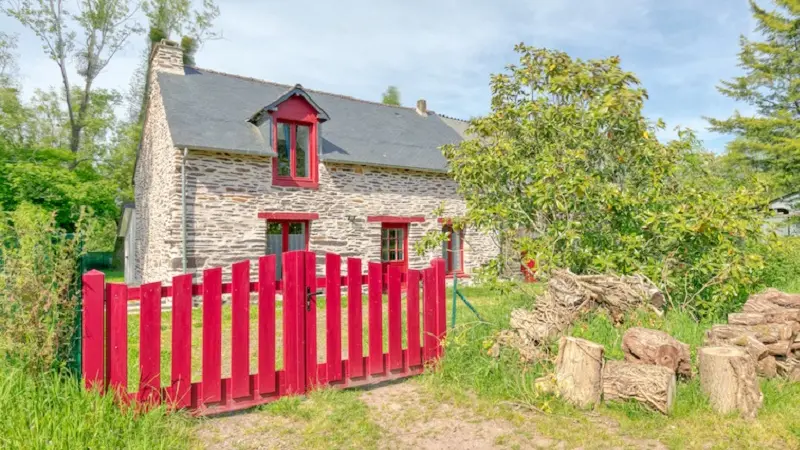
{"x": 768, "y": 330}
{"x": 566, "y": 298}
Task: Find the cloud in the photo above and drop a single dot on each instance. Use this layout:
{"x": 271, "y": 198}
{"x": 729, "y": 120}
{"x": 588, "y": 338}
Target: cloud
{"x": 445, "y": 51}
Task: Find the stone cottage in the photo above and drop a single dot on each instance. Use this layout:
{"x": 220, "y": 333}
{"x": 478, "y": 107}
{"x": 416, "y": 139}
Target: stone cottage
{"x": 232, "y": 168}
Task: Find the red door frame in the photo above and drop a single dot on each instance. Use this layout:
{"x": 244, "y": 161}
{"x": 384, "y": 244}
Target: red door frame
{"x": 402, "y": 264}
{"x": 285, "y": 231}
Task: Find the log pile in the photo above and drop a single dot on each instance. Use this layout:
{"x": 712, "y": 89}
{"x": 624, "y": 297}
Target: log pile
{"x": 567, "y": 297}
{"x": 768, "y": 330}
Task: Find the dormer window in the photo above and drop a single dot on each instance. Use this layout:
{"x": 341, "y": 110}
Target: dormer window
{"x": 292, "y": 124}
{"x": 293, "y": 145}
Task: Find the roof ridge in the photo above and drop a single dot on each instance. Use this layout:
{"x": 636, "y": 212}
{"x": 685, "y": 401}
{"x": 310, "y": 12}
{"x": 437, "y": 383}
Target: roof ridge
{"x": 452, "y": 118}
{"x": 259, "y": 80}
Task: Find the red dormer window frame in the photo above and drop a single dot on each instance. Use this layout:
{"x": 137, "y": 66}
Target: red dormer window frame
{"x": 295, "y": 112}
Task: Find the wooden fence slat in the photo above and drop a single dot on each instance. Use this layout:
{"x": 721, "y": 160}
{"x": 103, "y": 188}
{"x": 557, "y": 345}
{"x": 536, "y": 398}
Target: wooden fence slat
{"x": 375, "y": 294}
{"x": 355, "y": 351}
{"x": 412, "y": 318}
{"x": 429, "y": 324}
{"x": 92, "y": 333}
{"x": 441, "y": 305}
{"x": 117, "y": 332}
{"x": 333, "y": 316}
{"x": 240, "y": 329}
{"x": 395, "y": 319}
{"x": 150, "y": 344}
{"x": 181, "y": 383}
{"x": 212, "y": 334}
{"x": 310, "y": 307}
{"x": 266, "y": 324}
{"x": 293, "y": 310}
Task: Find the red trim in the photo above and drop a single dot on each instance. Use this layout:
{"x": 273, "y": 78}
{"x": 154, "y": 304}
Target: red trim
{"x": 449, "y": 260}
{"x": 396, "y": 219}
{"x": 458, "y": 275}
{"x": 288, "y": 216}
{"x": 445, "y": 221}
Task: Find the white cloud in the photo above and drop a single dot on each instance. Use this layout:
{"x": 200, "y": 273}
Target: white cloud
{"x": 444, "y": 51}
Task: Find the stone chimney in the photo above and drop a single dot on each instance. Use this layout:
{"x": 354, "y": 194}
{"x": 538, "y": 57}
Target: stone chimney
{"x": 422, "y": 107}
{"x": 166, "y": 56}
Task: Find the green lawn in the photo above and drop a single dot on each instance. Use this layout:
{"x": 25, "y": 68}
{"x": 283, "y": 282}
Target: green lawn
{"x": 114, "y": 276}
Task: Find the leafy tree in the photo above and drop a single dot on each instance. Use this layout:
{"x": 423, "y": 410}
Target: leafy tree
{"x": 104, "y": 25}
{"x": 767, "y": 142}
{"x": 391, "y": 96}
{"x": 565, "y": 169}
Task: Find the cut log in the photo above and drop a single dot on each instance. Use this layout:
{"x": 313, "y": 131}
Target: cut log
{"x": 779, "y": 298}
{"x": 652, "y": 385}
{"x": 767, "y": 333}
{"x": 751, "y": 345}
{"x": 795, "y": 345}
{"x": 789, "y": 369}
{"x": 746, "y": 318}
{"x": 757, "y": 304}
{"x": 579, "y": 371}
{"x": 767, "y": 367}
{"x": 646, "y": 346}
{"x": 780, "y": 348}
{"x": 728, "y": 377}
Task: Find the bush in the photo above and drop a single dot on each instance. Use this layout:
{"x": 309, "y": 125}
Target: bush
{"x": 782, "y": 265}
{"x": 38, "y": 295}
{"x": 50, "y": 411}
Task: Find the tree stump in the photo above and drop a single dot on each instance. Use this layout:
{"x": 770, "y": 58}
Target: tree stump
{"x": 646, "y": 346}
{"x": 579, "y": 371}
{"x": 728, "y": 377}
{"x": 653, "y": 385}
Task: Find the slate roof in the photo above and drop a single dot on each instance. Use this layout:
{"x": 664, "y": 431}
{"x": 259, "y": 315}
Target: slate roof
{"x": 210, "y": 110}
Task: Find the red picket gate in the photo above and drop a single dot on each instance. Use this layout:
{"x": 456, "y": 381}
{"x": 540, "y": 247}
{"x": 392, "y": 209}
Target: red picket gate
{"x": 105, "y": 334}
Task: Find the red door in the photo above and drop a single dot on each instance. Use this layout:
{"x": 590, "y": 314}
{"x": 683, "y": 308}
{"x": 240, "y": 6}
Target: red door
{"x": 394, "y": 247}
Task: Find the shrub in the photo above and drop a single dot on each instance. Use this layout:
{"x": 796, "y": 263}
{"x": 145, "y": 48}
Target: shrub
{"x": 38, "y": 295}
{"x": 782, "y": 265}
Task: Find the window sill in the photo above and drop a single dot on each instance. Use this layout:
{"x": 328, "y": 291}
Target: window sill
{"x": 290, "y": 182}
{"x": 457, "y": 275}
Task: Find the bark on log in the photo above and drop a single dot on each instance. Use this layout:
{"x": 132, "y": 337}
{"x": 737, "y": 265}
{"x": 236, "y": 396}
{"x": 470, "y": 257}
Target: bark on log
{"x": 789, "y": 369}
{"x": 767, "y": 333}
{"x": 746, "y": 318}
{"x": 779, "y": 298}
{"x": 652, "y": 385}
{"x": 728, "y": 377}
{"x": 579, "y": 371}
{"x": 760, "y": 305}
{"x": 646, "y": 346}
{"x": 751, "y": 345}
{"x": 767, "y": 367}
{"x": 780, "y": 348}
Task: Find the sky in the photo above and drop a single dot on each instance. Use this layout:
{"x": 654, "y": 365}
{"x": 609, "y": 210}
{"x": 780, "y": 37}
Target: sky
{"x": 445, "y": 51}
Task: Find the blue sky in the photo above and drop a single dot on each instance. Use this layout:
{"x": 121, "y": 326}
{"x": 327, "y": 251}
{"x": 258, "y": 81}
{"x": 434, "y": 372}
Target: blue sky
{"x": 444, "y": 51}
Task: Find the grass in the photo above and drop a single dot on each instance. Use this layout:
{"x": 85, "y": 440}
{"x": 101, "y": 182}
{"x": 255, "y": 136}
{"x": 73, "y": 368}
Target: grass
{"x": 114, "y": 276}
{"x": 469, "y": 372}
{"x": 49, "y": 411}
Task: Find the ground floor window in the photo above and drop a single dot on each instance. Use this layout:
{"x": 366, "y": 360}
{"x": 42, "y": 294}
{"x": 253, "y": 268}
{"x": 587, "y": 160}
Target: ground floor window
{"x": 453, "y": 250}
{"x": 286, "y": 236}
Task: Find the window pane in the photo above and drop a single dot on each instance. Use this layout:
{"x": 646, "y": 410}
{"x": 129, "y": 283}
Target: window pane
{"x": 284, "y": 161}
{"x": 385, "y": 255}
{"x": 297, "y": 236}
{"x": 399, "y": 255}
{"x": 274, "y": 228}
{"x": 302, "y": 160}
{"x": 392, "y": 255}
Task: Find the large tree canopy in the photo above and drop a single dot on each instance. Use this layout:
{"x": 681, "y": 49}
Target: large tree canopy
{"x": 566, "y": 169}
{"x": 768, "y": 140}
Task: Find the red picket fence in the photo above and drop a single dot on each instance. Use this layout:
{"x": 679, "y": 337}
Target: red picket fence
{"x": 105, "y": 335}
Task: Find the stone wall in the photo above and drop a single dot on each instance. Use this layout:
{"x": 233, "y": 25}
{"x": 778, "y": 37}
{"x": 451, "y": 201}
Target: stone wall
{"x": 156, "y": 189}
{"x": 225, "y": 193}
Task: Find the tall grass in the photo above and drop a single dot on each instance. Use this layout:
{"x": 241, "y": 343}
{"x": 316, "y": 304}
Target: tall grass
{"x": 50, "y": 411}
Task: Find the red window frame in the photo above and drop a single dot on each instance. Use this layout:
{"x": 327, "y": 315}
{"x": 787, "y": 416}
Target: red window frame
{"x": 449, "y": 269}
{"x": 296, "y": 111}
